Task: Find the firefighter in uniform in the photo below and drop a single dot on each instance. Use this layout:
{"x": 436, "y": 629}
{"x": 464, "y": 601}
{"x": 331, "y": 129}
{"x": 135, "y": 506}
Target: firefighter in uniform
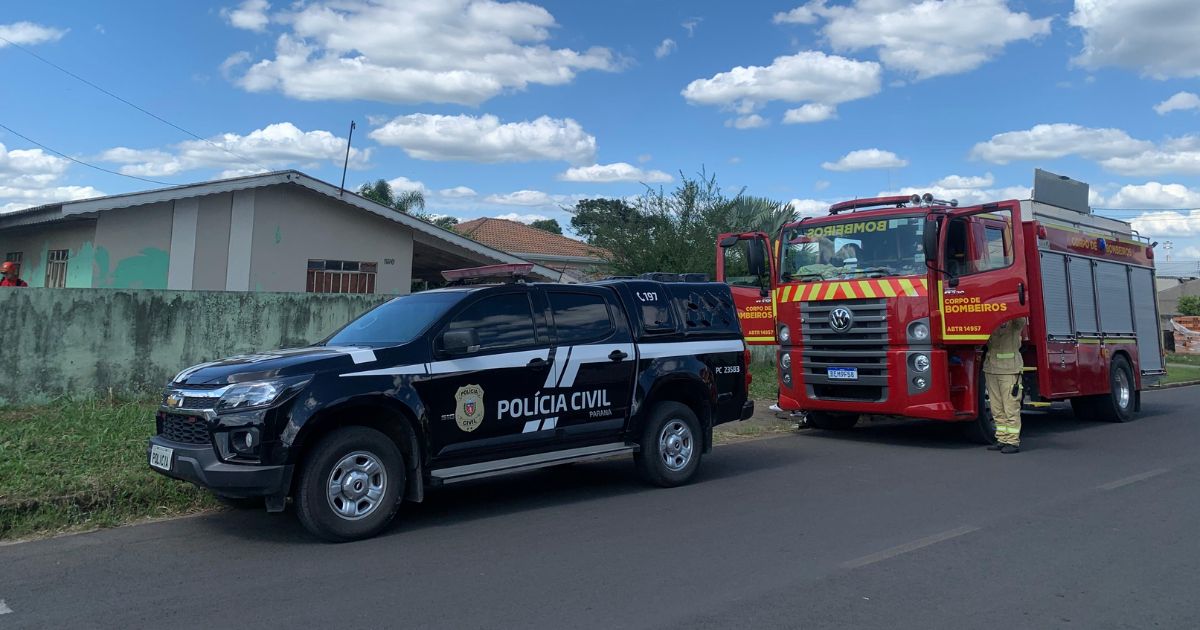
{"x": 1002, "y": 368}
{"x": 12, "y": 275}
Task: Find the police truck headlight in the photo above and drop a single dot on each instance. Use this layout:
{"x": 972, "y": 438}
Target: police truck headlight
{"x": 785, "y": 334}
{"x": 919, "y": 331}
{"x": 921, "y": 362}
{"x": 259, "y": 394}
{"x": 785, "y": 361}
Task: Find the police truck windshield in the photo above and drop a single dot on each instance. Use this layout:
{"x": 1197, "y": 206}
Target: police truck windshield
{"x": 865, "y": 248}
{"x": 398, "y": 321}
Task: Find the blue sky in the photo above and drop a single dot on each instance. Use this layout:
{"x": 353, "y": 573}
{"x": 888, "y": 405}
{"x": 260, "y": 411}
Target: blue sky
{"x": 517, "y": 109}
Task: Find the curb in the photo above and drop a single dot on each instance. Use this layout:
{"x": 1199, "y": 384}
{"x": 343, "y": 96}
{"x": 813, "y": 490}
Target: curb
{"x": 1174, "y": 385}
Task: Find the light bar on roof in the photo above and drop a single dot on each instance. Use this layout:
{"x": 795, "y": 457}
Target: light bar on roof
{"x": 514, "y": 270}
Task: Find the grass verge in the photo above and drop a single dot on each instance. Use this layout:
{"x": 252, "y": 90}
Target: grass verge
{"x": 76, "y": 465}
{"x": 1178, "y": 373}
{"x": 764, "y": 384}
{"x": 1183, "y": 359}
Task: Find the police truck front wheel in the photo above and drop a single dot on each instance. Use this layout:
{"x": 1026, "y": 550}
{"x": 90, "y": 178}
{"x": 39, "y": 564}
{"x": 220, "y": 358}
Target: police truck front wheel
{"x": 351, "y": 484}
{"x": 671, "y": 446}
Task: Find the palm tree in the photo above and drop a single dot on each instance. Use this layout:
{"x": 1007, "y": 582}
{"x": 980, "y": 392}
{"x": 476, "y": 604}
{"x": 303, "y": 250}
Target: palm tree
{"x": 381, "y": 192}
{"x": 759, "y": 214}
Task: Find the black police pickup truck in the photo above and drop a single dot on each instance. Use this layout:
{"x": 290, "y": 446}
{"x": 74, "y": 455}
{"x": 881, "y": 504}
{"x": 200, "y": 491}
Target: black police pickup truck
{"x": 457, "y": 384}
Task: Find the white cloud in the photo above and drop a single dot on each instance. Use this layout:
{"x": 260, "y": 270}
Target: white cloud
{"x": 615, "y": 172}
{"x": 486, "y": 139}
{"x": 458, "y": 192}
{"x": 800, "y": 15}
{"x": 1175, "y": 156}
{"x": 809, "y": 113}
{"x": 1168, "y": 224}
{"x": 523, "y": 218}
{"x": 806, "y": 76}
{"x": 665, "y": 48}
{"x": 866, "y": 159}
{"x": 690, "y": 25}
{"x": 1154, "y": 195}
{"x": 964, "y": 196}
{"x": 522, "y": 198}
{"x": 821, "y": 184}
{"x": 444, "y": 51}
{"x": 1058, "y": 140}
{"x": 32, "y": 177}
{"x": 810, "y": 207}
{"x": 959, "y": 181}
{"x": 963, "y": 34}
{"x": 275, "y": 146}
{"x": 1180, "y": 101}
{"x": 250, "y": 15}
{"x": 28, "y": 34}
{"x": 1155, "y": 37}
{"x": 753, "y": 121}
{"x": 404, "y": 184}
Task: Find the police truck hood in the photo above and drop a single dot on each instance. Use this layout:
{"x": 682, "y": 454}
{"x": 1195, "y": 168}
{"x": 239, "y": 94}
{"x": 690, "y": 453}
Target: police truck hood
{"x": 277, "y": 363}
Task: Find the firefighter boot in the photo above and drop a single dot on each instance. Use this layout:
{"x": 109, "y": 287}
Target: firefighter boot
{"x": 1009, "y": 449}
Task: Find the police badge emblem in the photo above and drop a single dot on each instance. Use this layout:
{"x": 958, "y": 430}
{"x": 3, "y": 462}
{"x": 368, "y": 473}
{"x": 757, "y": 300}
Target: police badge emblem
{"x": 469, "y": 411}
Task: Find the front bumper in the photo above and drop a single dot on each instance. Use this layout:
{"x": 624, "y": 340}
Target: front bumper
{"x": 199, "y": 464}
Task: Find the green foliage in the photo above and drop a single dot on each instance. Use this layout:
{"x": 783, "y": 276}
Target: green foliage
{"x": 548, "y": 225}
{"x": 1189, "y": 305}
{"x": 676, "y": 231}
{"x": 381, "y": 192}
{"x": 444, "y": 222}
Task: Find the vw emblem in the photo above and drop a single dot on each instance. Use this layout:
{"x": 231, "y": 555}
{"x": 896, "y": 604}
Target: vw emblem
{"x": 174, "y": 400}
{"x": 841, "y": 319}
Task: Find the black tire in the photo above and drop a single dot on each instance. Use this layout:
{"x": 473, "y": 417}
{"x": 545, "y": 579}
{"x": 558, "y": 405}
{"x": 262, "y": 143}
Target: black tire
{"x": 360, "y": 455}
{"x": 831, "y": 421}
{"x": 239, "y": 503}
{"x": 1117, "y": 404}
{"x": 671, "y": 446}
{"x": 982, "y": 428}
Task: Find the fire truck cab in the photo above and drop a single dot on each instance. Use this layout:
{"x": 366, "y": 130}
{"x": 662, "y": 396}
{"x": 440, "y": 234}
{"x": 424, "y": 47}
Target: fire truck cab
{"x": 885, "y": 306}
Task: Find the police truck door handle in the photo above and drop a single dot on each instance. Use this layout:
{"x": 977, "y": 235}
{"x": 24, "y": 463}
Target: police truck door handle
{"x": 537, "y": 362}
{"x": 617, "y": 355}
{"x": 1021, "y": 292}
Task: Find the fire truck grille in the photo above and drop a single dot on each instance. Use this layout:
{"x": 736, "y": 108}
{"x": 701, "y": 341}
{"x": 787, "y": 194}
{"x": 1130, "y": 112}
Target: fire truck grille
{"x": 185, "y": 429}
{"x": 860, "y": 350}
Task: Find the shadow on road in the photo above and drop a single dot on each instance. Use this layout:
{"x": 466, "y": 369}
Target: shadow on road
{"x": 504, "y": 495}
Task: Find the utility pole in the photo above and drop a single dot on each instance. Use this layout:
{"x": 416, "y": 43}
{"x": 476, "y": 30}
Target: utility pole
{"x": 346, "y": 163}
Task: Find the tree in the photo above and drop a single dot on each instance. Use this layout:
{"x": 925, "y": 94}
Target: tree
{"x": 676, "y": 231}
{"x": 404, "y": 201}
{"x": 547, "y": 225}
{"x": 444, "y": 222}
{"x": 1189, "y": 305}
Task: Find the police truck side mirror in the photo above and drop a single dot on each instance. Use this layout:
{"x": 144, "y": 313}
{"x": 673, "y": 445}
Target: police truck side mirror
{"x": 460, "y": 341}
{"x": 930, "y": 239}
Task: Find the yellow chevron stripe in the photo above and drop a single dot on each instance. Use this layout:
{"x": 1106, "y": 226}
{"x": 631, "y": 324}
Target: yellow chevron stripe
{"x": 848, "y": 288}
{"x": 786, "y": 292}
{"x": 907, "y": 285}
{"x": 830, "y": 291}
{"x": 888, "y": 289}
{"x": 867, "y": 291}
{"x": 925, "y": 284}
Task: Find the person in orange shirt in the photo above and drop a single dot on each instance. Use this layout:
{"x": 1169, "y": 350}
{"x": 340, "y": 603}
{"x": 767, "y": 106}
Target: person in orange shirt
{"x": 12, "y": 275}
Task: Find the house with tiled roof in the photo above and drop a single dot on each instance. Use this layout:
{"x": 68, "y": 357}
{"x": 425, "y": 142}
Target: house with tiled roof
{"x": 553, "y": 251}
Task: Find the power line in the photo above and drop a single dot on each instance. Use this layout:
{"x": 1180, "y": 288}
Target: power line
{"x": 140, "y": 109}
{"x": 77, "y": 161}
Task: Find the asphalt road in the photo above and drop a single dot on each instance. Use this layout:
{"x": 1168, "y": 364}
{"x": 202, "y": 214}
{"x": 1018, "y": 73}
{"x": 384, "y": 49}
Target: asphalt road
{"x": 890, "y": 526}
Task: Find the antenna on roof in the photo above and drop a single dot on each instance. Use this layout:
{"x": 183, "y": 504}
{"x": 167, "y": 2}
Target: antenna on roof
{"x": 346, "y": 163}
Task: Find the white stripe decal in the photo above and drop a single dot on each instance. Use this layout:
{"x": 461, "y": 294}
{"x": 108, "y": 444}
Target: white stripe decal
{"x": 687, "y": 348}
{"x": 561, "y": 358}
{"x": 590, "y": 354}
{"x": 491, "y": 362}
{"x": 531, "y": 426}
{"x": 362, "y": 356}
{"x": 416, "y": 368}
{"x": 550, "y": 423}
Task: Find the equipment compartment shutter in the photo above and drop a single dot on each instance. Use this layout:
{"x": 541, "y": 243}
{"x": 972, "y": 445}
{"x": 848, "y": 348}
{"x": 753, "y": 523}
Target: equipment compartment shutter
{"x": 1083, "y": 296}
{"x": 1054, "y": 292}
{"x": 1145, "y": 317}
{"x": 1116, "y": 313}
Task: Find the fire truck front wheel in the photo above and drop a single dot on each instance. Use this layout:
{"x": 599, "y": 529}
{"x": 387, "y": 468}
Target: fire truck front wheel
{"x": 831, "y": 421}
{"x": 1117, "y": 404}
{"x": 982, "y": 428}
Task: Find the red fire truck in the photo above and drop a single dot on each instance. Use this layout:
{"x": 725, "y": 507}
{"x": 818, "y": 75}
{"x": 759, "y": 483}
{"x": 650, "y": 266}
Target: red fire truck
{"x": 885, "y": 306}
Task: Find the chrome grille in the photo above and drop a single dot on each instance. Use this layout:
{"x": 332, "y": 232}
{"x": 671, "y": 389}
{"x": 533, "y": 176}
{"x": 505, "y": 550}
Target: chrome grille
{"x": 863, "y": 346}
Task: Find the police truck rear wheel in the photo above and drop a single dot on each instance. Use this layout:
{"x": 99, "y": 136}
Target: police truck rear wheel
{"x": 831, "y": 421}
{"x": 1117, "y": 404}
{"x": 671, "y": 446}
{"x": 351, "y": 485}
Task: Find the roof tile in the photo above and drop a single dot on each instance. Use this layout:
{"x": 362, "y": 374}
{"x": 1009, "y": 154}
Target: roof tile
{"x": 515, "y": 237}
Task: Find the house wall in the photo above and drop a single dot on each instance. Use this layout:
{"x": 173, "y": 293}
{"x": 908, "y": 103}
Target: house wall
{"x": 132, "y": 247}
{"x": 35, "y": 243}
{"x": 292, "y": 225}
{"x": 212, "y": 242}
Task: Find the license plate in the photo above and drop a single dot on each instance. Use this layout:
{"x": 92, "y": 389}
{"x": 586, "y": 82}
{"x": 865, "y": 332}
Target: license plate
{"x": 160, "y": 457}
{"x": 843, "y": 373}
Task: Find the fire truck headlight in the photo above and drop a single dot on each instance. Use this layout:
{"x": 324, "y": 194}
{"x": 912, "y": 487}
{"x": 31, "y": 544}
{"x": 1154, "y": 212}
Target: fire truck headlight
{"x": 920, "y": 382}
{"x": 919, "y": 331}
{"x": 785, "y": 334}
{"x": 921, "y": 362}
{"x": 786, "y": 377}
{"x": 785, "y": 361}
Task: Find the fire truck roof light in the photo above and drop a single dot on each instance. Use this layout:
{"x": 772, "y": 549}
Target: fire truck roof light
{"x": 513, "y": 271}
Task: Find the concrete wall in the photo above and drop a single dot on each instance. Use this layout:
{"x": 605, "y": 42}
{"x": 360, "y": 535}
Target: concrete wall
{"x": 292, "y": 225}
{"x": 81, "y": 341}
{"x": 35, "y": 242}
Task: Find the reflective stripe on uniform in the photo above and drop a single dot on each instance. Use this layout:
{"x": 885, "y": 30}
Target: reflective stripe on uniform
{"x": 1000, "y": 428}
{"x": 1005, "y": 355}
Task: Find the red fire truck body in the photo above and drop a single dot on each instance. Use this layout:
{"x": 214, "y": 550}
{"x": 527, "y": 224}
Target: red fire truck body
{"x": 885, "y": 307}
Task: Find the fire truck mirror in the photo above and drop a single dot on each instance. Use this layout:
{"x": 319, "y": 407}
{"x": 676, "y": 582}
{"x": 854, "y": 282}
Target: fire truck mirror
{"x": 756, "y": 259}
{"x": 729, "y": 241}
{"x": 930, "y": 239}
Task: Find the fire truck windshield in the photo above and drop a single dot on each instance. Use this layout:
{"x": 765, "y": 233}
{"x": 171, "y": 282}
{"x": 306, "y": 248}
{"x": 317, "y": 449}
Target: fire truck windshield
{"x": 860, "y": 248}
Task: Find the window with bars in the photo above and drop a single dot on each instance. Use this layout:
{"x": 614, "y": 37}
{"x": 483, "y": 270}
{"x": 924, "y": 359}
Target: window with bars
{"x": 14, "y": 257}
{"x": 56, "y": 268}
{"x": 341, "y": 276}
